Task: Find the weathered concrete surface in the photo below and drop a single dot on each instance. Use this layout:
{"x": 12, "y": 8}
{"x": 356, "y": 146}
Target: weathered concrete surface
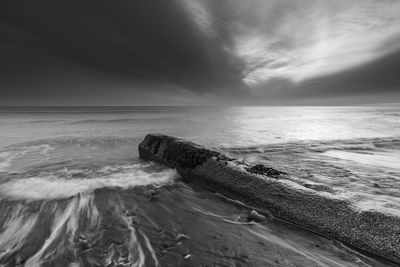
{"x": 372, "y": 231}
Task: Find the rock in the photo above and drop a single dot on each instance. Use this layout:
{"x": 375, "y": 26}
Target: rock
{"x": 261, "y": 169}
{"x": 255, "y": 216}
{"x": 368, "y": 230}
{"x": 189, "y": 155}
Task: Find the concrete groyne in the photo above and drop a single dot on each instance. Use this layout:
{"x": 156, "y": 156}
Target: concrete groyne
{"x": 267, "y": 189}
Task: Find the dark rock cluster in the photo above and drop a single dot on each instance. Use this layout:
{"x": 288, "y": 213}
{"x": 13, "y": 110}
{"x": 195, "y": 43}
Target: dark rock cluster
{"x": 264, "y": 170}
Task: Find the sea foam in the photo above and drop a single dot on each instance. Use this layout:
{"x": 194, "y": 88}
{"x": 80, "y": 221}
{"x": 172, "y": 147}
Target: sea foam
{"x": 52, "y": 186}
{"x": 378, "y": 159}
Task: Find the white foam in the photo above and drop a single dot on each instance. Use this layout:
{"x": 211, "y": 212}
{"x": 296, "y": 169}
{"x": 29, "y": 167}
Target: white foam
{"x": 7, "y": 158}
{"x": 57, "y": 229}
{"x": 379, "y": 204}
{"x": 150, "y": 248}
{"x": 69, "y": 217}
{"x": 136, "y": 255}
{"x": 15, "y": 230}
{"x": 42, "y": 149}
{"x": 54, "y": 187}
{"x": 379, "y": 159}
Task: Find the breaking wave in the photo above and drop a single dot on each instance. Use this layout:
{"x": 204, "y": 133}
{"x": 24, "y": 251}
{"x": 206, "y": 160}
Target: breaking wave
{"x": 54, "y": 186}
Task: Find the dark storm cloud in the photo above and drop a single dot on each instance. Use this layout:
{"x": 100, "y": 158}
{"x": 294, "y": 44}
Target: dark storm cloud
{"x": 196, "y": 51}
{"x": 139, "y": 40}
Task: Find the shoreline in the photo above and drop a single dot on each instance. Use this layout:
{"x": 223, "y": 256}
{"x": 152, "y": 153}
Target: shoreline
{"x": 267, "y": 189}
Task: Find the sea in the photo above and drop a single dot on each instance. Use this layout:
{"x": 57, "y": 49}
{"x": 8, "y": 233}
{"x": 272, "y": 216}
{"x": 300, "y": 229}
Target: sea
{"x": 73, "y": 191}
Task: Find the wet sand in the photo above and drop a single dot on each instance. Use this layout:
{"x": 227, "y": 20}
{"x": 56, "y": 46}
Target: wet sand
{"x": 174, "y": 225}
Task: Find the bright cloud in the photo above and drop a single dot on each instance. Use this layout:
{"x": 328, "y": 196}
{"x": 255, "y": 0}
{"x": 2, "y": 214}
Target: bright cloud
{"x": 303, "y": 39}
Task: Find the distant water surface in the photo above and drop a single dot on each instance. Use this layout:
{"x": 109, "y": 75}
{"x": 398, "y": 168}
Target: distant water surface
{"x": 71, "y": 183}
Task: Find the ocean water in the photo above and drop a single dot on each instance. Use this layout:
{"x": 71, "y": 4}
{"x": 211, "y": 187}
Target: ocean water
{"x": 73, "y": 191}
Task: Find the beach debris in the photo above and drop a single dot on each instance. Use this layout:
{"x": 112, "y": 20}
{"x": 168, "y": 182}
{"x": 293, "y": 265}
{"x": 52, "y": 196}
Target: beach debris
{"x": 152, "y": 194}
{"x": 244, "y": 257}
{"x": 255, "y": 216}
{"x": 168, "y": 245}
{"x": 123, "y": 261}
{"x": 84, "y": 243}
{"x": 181, "y": 237}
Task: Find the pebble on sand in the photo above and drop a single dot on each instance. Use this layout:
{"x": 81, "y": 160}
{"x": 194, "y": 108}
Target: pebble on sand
{"x": 255, "y": 216}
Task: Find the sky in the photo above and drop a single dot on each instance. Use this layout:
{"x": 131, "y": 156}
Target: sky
{"x": 199, "y": 52}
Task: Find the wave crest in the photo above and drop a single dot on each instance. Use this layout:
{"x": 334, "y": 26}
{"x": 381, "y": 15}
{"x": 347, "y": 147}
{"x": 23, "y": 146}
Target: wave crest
{"x": 52, "y": 186}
